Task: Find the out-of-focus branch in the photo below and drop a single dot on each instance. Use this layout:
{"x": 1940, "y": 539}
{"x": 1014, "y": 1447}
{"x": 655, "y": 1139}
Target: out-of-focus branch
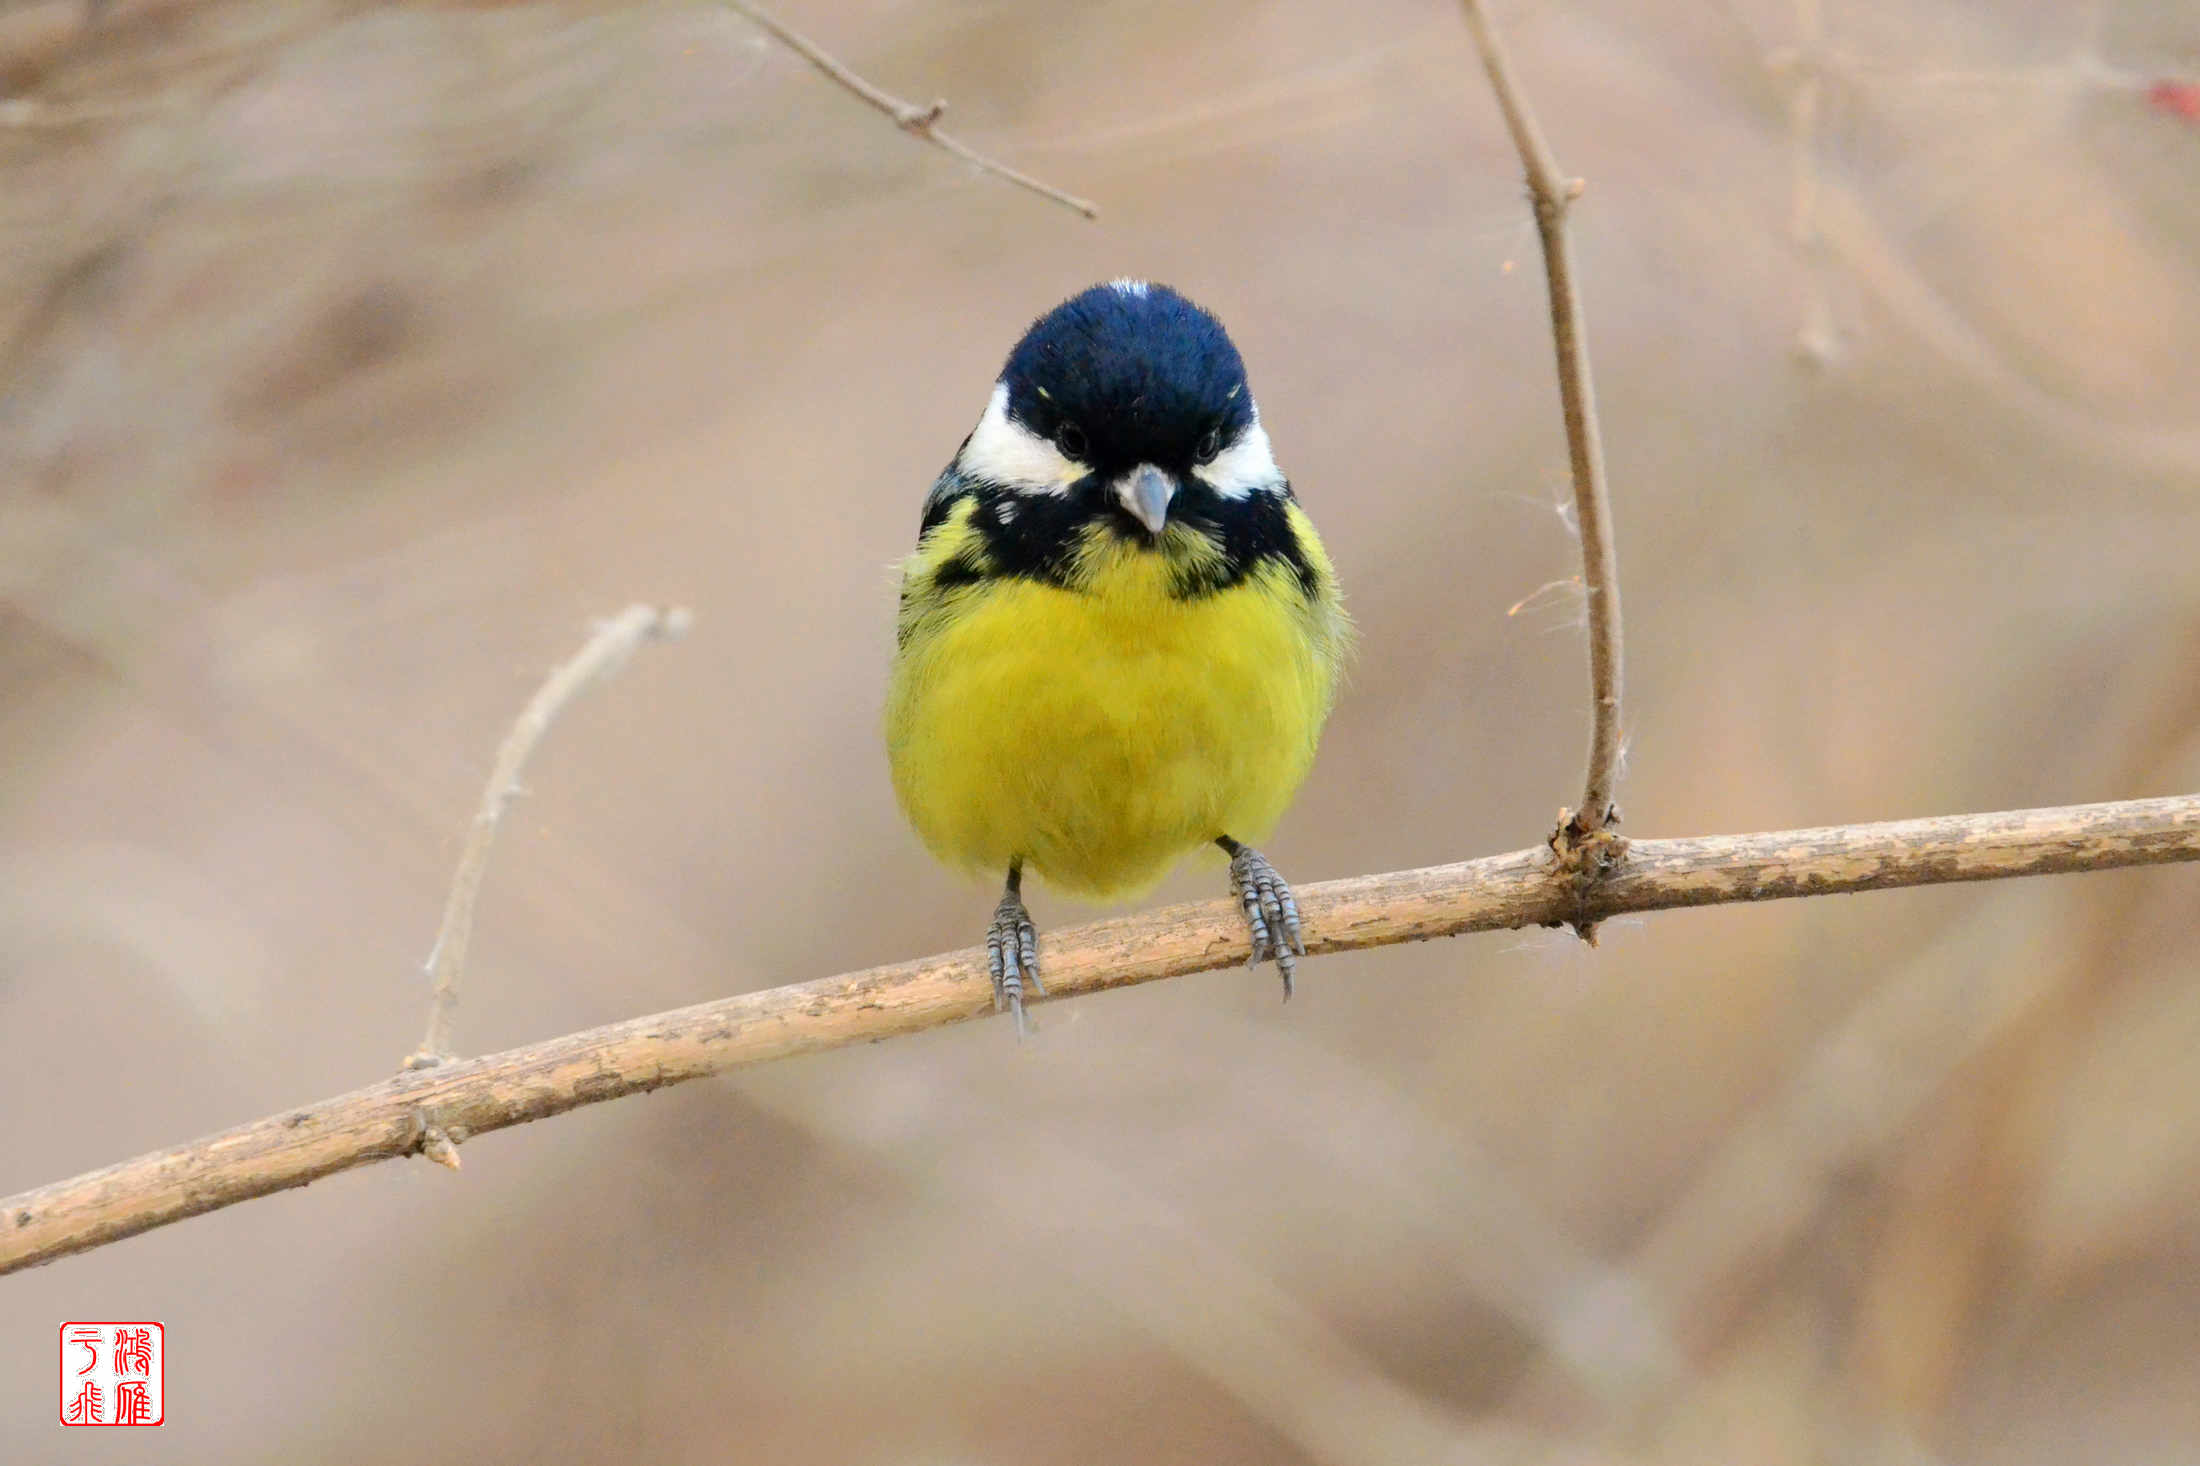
{"x": 1586, "y": 836}
{"x": 607, "y": 650}
{"x": 1525, "y": 888}
{"x": 908, "y": 116}
{"x": 1814, "y": 342}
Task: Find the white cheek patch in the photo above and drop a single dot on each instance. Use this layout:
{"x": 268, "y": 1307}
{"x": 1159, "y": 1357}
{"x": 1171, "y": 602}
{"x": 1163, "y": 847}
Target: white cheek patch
{"x": 1247, "y": 466}
{"x": 1004, "y": 451}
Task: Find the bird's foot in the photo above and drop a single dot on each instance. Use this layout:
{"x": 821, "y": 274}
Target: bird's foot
{"x": 1012, "y": 956}
{"x": 1270, "y": 912}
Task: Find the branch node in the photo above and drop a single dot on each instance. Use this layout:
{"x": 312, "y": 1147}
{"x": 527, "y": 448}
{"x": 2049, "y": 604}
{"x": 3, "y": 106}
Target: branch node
{"x": 432, "y": 1139}
{"x": 909, "y": 117}
{"x": 436, "y": 1144}
{"x": 1587, "y": 852}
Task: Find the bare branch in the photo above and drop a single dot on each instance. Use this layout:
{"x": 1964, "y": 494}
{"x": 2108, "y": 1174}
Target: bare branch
{"x": 1552, "y": 194}
{"x": 607, "y": 650}
{"x": 1815, "y": 341}
{"x": 402, "y": 1116}
{"x": 908, "y": 116}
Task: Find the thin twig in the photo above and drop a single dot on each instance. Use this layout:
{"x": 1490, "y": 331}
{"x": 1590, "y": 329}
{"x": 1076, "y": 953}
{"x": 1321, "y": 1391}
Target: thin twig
{"x": 1525, "y": 888}
{"x": 1553, "y": 193}
{"x": 607, "y": 650}
{"x": 1815, "y": 340}
{"x": 908, "y": 116}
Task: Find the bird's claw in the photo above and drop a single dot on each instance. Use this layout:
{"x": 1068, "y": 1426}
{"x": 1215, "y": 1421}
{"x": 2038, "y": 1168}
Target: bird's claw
{"x": 1012, "y": 956}
{"x": 1270, "y": 913}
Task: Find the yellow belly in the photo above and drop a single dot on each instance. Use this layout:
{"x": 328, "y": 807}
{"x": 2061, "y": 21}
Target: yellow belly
{"x": 1100, "y": 734}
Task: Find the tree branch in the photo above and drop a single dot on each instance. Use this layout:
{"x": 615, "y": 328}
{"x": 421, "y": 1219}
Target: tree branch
{"x": 1553, "y": 193}
{"x": 908, "y": 116}
{"x": 607, "y": 650}
{"x": 1524, "y": 888}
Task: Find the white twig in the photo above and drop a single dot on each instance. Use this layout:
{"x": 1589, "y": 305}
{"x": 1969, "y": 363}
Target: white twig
{"x": 607, "y": 650}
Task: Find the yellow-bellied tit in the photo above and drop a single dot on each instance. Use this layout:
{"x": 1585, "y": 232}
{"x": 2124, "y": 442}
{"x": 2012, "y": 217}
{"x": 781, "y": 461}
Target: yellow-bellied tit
{"x": 1119, "y": 634}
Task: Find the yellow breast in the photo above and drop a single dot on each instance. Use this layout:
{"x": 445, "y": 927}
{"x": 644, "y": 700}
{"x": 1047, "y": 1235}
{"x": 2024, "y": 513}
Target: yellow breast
{"x": 1099, "y": 733}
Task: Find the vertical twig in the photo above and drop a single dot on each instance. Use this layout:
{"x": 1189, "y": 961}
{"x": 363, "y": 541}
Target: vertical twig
{"x": 607, "y": 650}
{"x": 1815, "y": 341}
{"x": 1584, "y": 838}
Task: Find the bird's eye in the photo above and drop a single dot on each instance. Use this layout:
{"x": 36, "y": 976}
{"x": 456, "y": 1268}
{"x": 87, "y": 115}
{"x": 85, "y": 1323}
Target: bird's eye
{"x": 1070, "y": 438}
{"x": 1210, "y": 445}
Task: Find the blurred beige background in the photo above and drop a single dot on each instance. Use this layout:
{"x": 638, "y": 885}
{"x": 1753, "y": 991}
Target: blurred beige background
{"x": 352, "y": 358}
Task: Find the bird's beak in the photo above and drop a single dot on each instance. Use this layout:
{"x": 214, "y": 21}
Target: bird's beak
{"x": 1145, "y": 492}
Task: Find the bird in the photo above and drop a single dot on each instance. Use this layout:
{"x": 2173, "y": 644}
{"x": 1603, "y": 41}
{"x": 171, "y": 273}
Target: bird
{"x": 1119, "y": 635}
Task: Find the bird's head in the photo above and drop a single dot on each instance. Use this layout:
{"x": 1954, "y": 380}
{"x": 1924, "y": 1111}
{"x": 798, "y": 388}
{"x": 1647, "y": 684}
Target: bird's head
{"x": 1131, "y": 400}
